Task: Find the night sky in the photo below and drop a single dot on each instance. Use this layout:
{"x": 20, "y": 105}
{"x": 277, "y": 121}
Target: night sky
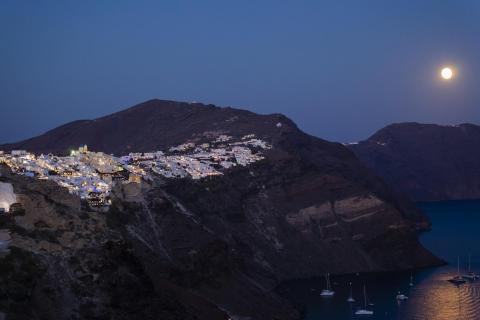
{"x": 340, "y": 69}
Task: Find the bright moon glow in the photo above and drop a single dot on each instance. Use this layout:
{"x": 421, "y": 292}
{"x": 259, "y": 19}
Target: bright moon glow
{"x": 447, "y": 73}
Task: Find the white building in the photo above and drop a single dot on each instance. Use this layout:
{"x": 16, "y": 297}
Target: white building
{"x": 18, "y": 152}
{"x": 7, "y": 197}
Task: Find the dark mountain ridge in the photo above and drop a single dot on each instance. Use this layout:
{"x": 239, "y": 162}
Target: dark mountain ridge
{"x": 426, "y": 161}
{"x": 151, "y": 125}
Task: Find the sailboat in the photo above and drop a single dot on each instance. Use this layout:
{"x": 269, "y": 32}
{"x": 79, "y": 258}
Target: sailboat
{"x": 470, "y": 275}
{"x": 401, "y": 296}
{"x": 364, "y": 311}
{"x": 457, "y": 279}
{"x": 411, "y": 280}
{"x": 350, "y": 297}
{"x": 328, "y": 292}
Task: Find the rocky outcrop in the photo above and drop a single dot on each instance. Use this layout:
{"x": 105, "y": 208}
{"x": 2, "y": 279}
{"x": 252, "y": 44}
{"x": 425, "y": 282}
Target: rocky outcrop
{"x": 427, "y": 162}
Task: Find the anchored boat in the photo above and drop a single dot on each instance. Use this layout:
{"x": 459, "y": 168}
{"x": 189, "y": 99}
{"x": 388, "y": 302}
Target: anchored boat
{"x": 470, "y": 275}
{"x": 328, "y": 292}
{"x": 350, "y": 297}
{"x": 364, "y": 311}
{"x": 458, "y": 279}
{"x": 401, "y": 296}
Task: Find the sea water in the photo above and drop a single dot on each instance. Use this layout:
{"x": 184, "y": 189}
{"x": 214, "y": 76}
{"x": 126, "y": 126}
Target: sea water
{"x": 455, "y": 232}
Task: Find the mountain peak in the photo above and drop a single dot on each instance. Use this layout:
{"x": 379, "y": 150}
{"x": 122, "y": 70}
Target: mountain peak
{"x": 155, "y": 125}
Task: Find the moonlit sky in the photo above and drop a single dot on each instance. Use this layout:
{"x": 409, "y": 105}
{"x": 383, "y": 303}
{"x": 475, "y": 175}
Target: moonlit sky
{"x": 340, "y": 69}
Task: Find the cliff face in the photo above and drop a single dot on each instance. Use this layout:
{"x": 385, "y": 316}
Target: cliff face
{"x": 213, "y": 247}
{"x": 426, "y": 162}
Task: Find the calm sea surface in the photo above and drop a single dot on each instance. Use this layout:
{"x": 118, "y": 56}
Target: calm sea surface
{"x": 455, "y": 231}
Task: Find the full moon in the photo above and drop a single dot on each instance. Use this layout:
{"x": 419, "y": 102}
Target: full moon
{"x": 447, "y": 73}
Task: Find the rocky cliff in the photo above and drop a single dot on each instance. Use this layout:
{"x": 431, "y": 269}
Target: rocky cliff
{"x": 209, "y": 248}
{"x": 425, "y": 161}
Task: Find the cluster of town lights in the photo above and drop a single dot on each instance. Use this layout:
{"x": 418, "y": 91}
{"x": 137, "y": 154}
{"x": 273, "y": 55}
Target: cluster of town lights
{"x": 91, "y": 175}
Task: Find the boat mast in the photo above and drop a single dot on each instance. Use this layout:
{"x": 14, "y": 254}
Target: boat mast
{"x": 365, "y": 296}
{"x": 458, "y": 266}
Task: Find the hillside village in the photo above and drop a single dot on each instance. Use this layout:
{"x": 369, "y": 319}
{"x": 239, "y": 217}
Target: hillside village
{"x": 91, "y": 175}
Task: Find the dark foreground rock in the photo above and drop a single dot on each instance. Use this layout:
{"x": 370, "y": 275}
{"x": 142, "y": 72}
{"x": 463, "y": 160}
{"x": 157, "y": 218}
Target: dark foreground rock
{"x": 67, "y": 263}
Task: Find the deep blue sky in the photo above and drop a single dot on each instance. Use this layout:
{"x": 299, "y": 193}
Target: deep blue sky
{"x": 340, "y": 69}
